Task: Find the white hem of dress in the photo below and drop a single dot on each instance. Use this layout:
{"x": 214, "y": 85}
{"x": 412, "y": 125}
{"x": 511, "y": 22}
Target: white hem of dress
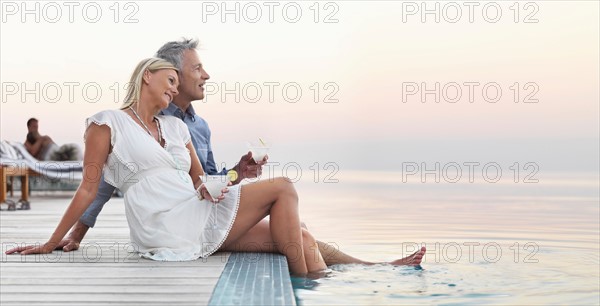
{"x": 237, "y": 206}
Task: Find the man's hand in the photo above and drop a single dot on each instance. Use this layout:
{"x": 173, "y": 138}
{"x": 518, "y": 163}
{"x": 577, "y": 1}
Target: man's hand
{"x": 68, "y": 244}
{"x": 72, "y": 241}
{"x": 248, "y": 168}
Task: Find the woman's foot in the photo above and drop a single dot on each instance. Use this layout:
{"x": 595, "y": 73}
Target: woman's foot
{"x": 411, "y": 260}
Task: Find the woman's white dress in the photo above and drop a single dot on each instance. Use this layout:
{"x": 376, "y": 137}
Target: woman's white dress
{"x": 166, "y": 219}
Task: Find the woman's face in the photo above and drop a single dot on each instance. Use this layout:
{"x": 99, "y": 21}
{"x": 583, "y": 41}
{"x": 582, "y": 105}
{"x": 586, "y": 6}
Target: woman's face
{"x": 162, "y": 85}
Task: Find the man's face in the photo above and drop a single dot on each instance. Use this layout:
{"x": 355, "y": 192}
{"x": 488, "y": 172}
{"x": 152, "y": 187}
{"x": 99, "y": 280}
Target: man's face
{"x": 33, "y": 127}
{"x": 193, "y": 77}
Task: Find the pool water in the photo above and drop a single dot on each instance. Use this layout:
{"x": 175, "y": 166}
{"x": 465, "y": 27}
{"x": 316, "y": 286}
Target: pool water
{"x": 487, "y": 244}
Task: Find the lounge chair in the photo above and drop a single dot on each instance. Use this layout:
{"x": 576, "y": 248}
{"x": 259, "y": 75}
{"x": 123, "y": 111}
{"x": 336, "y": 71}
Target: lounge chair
{"x": 16, "y": 161}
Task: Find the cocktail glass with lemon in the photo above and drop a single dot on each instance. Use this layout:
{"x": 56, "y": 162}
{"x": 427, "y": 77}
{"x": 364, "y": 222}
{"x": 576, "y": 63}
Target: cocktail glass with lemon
{"x": 259, "y": 149}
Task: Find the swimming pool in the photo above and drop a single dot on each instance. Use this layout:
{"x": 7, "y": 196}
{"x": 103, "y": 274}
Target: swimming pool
{"x": 487, "y": 244}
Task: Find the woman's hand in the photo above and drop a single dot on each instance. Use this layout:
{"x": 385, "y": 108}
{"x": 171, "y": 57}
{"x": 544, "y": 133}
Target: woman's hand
{"x": 33, "y": 249}
{"x": 204, "y": 194}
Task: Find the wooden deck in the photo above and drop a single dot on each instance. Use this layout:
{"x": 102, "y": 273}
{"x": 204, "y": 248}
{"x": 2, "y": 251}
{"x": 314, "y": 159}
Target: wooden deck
{"x": 102, "y": 271}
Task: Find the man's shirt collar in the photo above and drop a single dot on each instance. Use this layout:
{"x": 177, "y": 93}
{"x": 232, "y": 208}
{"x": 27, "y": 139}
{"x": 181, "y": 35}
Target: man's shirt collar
{"x": 174, "y": 110}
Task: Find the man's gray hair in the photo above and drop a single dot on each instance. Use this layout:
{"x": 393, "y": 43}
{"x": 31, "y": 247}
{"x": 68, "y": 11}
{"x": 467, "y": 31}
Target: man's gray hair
{"x": 173, "y": 51}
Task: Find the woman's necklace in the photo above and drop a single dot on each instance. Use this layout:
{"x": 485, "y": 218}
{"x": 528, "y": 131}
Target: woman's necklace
{"x": 145, "y": 126}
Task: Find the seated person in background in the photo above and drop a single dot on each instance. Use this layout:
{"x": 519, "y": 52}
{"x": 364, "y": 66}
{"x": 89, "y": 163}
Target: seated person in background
{"x": 36, "y": 144}
{"x": 44, "y": 148}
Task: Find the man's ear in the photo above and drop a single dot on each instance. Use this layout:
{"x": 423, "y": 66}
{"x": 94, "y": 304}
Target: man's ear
{"x": 147, "y": 76}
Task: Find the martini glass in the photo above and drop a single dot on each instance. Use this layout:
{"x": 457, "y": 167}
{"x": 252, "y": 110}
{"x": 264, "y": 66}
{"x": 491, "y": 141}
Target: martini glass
{"x": 259, "y": 149}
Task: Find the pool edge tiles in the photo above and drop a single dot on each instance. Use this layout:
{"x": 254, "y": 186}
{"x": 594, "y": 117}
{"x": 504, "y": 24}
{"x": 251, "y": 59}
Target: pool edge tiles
{"x": 254, "y": 279}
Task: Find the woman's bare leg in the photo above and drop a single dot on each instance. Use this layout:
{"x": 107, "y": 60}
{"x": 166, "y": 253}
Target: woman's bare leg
{"x": 277, "y": 198}
{"x": 259, "y": 239}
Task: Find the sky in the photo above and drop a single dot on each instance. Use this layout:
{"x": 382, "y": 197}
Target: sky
{"x": 349, "y": 82}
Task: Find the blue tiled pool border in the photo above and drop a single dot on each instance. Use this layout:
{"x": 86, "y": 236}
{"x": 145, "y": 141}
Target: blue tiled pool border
{"x": 254, "y": 279}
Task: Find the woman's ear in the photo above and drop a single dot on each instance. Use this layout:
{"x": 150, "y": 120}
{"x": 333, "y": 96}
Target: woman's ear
{"x": 147, "y": 76}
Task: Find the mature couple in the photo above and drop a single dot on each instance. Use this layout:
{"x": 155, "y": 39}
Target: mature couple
{"x": 158, "y": 161}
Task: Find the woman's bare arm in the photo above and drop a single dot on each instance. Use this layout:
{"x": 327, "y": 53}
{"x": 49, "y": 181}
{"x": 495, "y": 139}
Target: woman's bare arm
{"x": 97, "y": 148}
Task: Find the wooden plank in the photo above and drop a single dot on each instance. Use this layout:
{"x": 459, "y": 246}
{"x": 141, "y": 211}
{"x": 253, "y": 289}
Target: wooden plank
{"x": 206, "y": 288}
{"x": 107, "y": 297}
{"x": 210, "y": 262}
{"x": 106, "y": 281}
{"x": 116, "y": 272}
{"x": 87, "y": 303}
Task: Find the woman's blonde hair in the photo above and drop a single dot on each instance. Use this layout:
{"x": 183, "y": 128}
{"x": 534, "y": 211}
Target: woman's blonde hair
{"x": 135, "y": 82}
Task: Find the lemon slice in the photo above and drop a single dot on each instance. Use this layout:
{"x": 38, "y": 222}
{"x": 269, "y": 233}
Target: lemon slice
{"x": 232, "y": 175}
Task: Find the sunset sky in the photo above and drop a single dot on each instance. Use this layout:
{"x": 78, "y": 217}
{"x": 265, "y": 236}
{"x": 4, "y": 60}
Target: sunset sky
{"x": 364, "y": 63}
